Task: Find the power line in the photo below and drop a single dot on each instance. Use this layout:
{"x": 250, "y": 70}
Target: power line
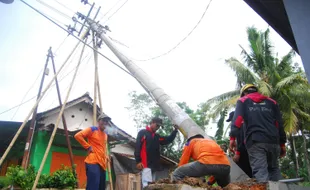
{"x": 110, "y": 10}
{"x": 27, "y": 93}
{"x": 54, "y": 9}
{"x": 60, "y": 80}
{"x": 77, "y": 38}
{"x": 116, "y": 11}
{"x": 65, "y": 6}
{"x": 161, "y": 55}
{"x": 60, "y": 45}
{"x": 18, "y": 105}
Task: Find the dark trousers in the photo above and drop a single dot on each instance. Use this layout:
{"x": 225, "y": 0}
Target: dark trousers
{"x": 264, "y": 161}
{"x": 244, "y": 163}
{"x": 197, "y": 169}
{"x": 95, "y": 177}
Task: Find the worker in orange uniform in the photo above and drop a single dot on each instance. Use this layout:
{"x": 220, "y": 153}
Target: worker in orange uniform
{"x": 96, "y": 160}
{"x": 209, "y": 159}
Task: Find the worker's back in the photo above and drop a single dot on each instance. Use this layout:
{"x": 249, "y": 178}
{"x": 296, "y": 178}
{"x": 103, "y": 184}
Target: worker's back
{"x": 207, "y": 152}
{"x": 261, "y": 119}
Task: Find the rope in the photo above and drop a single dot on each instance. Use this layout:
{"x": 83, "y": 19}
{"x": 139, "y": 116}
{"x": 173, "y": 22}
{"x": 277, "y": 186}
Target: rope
{"x": 57, "y": 123}
{"x": 33, "y": 108}
{"x": 177, "y": 45}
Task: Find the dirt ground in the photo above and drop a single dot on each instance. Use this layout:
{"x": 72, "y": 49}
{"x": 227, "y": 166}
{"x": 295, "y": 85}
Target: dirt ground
{"x": 197, "y": 182}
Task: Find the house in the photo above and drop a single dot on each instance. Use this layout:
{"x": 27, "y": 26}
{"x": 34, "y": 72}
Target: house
{"x": 78, "y": 115}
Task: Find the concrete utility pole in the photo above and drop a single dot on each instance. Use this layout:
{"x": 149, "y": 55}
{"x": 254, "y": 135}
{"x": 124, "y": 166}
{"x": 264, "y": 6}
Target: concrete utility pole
{"x": 186, "y": 125}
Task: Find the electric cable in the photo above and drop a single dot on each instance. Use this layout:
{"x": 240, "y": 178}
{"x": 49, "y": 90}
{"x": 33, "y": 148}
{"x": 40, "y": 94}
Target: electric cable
{"x": 78, "y": 38}
{"x": 115, "y": 12}
{"x": 110, "y": 10}
{"x": 54, "y": 9}
{"x": 174, "y": 47}
{"x": 26, "y": 94}
{"x": 65, "y": 6}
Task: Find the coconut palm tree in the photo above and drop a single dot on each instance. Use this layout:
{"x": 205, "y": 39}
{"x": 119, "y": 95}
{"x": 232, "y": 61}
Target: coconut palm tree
{"x": 276, "y": 78}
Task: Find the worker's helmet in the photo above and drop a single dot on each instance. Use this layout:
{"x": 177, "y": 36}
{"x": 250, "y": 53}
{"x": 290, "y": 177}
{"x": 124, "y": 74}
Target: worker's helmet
{"x": 104, "y": 117}
{"x": 247, "y": 87}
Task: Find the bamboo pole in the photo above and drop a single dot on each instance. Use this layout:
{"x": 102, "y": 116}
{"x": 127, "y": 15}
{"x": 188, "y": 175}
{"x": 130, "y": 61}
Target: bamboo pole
{"x": 34, "y": 107}
{"x": 95, "y": 81}
{"x": 100, "y": 104}
{"x": 57, "y": 122}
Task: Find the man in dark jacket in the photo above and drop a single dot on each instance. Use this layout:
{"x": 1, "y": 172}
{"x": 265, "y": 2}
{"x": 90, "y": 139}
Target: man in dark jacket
{"x": 263, "y": 132}
{"x": 241, "y": 156}
{"x": 147, "y": 152}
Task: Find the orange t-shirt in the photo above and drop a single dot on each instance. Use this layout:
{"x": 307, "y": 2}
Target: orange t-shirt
{"x": 204, "y": 151}
{"x": 97, "y": 139}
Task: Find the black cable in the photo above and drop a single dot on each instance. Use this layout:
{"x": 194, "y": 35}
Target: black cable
{"x": 77, "y": 38}
{"x": 155, "y": 57}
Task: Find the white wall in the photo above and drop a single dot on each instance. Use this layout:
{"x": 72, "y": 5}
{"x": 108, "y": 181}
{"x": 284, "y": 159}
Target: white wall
{"x": 77, "y": 117}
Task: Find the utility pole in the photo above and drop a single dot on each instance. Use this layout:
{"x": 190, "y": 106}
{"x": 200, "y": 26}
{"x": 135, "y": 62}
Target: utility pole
{"x": 26, "y": 156}
{"x": 63, "y": 118}
{"x": 186, "y": 125}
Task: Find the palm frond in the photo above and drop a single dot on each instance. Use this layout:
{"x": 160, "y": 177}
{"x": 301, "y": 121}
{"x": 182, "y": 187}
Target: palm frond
{"x": 223, "y": 97}
{"x": 297, "y": 78}
{"x": 247, "y": 57}
{"x": 264, "y": 88}
{"x": 227, "y": 104}
{"x": 289, "y": 117}
{"x": 302, "y": 114}
{"x": 244, "y": 74}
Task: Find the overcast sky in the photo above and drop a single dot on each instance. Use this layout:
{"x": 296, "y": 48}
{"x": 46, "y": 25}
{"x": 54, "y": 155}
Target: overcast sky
{"x": 193, "y": 72}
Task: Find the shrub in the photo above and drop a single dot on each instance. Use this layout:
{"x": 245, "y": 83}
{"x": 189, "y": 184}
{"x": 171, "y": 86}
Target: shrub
{"x": 4, "y": 182}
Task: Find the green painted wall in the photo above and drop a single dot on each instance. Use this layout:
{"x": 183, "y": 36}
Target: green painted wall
{"x": 40, "y": 141}
{"x": 39, "y": 145}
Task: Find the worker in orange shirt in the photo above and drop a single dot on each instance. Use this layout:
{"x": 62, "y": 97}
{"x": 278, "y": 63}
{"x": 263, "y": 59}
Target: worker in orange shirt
{"x": 96, "y": 160}
{"x": 209, "y": 159}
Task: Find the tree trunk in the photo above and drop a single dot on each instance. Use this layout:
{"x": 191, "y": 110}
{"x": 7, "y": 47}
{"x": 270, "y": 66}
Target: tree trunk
{"x": 295, "y": 159}
{"x": 306, "y": 153}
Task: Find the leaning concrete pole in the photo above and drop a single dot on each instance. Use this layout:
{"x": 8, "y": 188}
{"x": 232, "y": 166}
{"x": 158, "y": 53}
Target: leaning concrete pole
{"x": 186, "y": 125}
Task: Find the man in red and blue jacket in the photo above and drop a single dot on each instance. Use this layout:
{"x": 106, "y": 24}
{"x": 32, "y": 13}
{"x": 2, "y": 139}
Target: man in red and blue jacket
{"x": 147, "y": 152}
{"x": 264, "y": 134}
{"x": 241, "y": 157}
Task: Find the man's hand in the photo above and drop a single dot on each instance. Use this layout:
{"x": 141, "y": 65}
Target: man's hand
{"x": 176, "y": 127}
{"x": 283, "y": 151}
{"x": 139, "y": 166}
{"x": 236, "y": 158}
{"x": 108, "y": 159}
{"x": 232, "y": 145}
{"x": 90, "y": 150}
